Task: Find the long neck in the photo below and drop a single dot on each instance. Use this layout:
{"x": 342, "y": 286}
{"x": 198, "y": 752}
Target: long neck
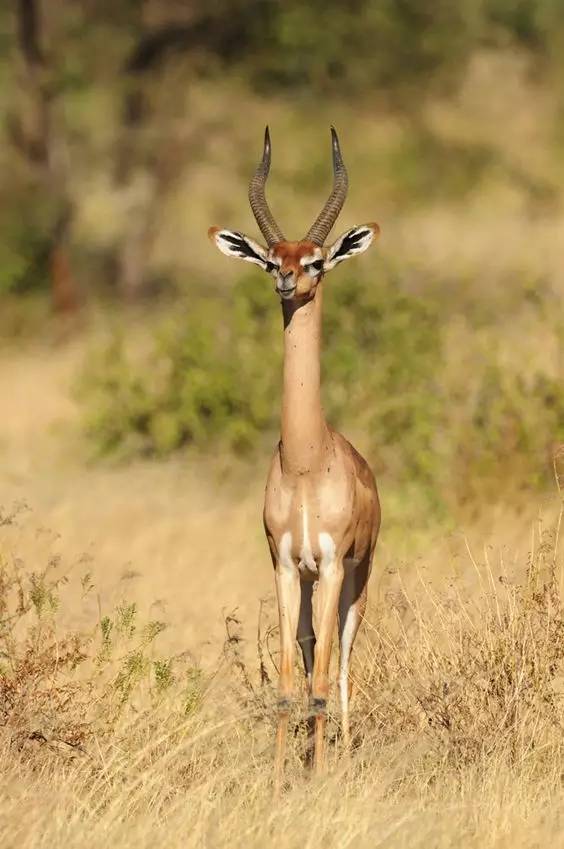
{"x": 304, "y": 431}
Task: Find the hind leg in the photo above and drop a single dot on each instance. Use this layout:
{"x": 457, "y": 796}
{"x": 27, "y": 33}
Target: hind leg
{"x": 306, "y": 640}
{"x": 328, "y": 592}
{"x": 306, "y": 635}
{"x": 352, "y": 606}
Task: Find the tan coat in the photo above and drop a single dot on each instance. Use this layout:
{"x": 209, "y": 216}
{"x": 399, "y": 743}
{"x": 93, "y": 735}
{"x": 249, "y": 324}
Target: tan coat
{"x": 321, "y": 509}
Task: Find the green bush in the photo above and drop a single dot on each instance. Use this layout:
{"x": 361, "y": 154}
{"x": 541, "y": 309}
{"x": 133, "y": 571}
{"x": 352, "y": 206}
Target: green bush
{"x": 25, "y": 244}
{"x": 362, "y": 45}
{"x": 212, "y": 377}
{"x": 365, "y": 43}
{"x": 511, "y": 435}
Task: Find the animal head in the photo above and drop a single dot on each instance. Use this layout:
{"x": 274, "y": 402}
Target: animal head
{"x": 297, "y": 267}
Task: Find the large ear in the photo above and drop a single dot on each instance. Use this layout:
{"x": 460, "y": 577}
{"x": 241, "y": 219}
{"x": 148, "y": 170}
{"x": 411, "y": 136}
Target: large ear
{"x": 349, "y": 244}
{"x": 233, "y": 243}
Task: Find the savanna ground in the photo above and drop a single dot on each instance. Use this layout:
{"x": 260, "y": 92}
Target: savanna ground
{"x": 138, "y": 642}
{"x": 117, "y": 732}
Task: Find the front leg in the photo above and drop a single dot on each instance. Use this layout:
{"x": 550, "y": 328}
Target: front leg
{"x": 288, "y": 594}
{"x": 352, "y": 605}
{"x": 330, "y": 582}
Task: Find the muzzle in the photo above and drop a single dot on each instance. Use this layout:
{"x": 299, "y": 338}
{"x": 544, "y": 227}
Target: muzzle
{"x": 286, "y": 284}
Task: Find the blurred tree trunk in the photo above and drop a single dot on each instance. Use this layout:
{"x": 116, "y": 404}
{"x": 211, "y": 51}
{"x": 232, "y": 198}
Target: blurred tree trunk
{"x": 133, "y": 159}
{"x": 138, "y": 156}
{"x": 151, "y": 143}
{"x": 39, "y": 137}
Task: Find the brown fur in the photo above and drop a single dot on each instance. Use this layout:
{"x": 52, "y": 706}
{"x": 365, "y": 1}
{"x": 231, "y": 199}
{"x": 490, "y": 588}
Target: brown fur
{"x": 291, "y": 253}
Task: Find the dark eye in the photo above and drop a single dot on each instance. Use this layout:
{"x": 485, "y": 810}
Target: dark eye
{"x": 270, "y": 266}
{"x": 317, "y": 265}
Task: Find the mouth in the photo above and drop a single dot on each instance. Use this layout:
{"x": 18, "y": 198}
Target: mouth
{"x": 286, "y": 294}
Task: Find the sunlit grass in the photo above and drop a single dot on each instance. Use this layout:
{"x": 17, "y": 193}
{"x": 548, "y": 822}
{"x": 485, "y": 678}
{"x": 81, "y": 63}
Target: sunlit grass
{"x": 457, "y": 720}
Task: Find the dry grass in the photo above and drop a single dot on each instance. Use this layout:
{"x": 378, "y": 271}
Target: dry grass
{"x": 116, "y": 734}
{"x": 458, "y": 724}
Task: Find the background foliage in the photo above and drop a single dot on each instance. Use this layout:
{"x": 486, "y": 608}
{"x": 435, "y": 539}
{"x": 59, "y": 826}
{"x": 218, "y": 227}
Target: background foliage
{"x": 128, "y": 128}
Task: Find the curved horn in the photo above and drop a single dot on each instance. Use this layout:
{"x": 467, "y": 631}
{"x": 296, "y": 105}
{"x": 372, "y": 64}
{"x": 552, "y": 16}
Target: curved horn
{"x": 328, "y": 215}
{"x": 265, "y": 220}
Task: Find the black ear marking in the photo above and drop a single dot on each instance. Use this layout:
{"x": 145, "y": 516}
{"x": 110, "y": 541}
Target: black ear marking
{"x": 235, "y": 244}
{"x": 240, "y": 246}
{"x": 351, "y": 241}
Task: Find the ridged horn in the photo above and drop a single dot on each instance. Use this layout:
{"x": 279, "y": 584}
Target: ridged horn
{"x": 264, "y": 218}
{"x": 328, "y": 215}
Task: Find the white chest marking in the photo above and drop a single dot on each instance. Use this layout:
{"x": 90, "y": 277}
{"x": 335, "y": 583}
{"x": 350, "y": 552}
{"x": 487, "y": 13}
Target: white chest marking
{"x": 306, "y": 554}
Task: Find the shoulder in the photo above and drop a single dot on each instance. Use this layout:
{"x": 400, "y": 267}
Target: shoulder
{"x": 363, "y": 472}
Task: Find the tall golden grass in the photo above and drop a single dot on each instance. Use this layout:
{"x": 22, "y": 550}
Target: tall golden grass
{"x": 114, "y": 732}
{"x": 457, "y": 722}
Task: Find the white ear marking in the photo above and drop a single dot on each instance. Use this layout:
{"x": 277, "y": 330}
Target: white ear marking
{"x": 350, "y": 243}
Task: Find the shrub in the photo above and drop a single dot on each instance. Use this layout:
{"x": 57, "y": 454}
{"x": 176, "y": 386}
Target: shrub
{"x": 212, "y": 378}
{"x": 210, "y": 375}
{"x": 25, "y": 244}
{"x": 214, "y": 374}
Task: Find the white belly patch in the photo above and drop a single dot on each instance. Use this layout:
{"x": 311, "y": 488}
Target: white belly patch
{"x": 307, "y": 560}
{"x": 308, "y": 563}
{"x": 285, "y": 550}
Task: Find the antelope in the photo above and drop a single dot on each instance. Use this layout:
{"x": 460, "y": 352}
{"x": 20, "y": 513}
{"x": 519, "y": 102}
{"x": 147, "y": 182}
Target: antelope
{"x": 321, "y": 507}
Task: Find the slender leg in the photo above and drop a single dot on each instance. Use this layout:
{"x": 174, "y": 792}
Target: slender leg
{"x": 330, "y": 581}
{"x": 288, "y": 592}
{"x": 306, "y": 639}
{"x": 352, "y": 605}
{"x": 306, "y": 635}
